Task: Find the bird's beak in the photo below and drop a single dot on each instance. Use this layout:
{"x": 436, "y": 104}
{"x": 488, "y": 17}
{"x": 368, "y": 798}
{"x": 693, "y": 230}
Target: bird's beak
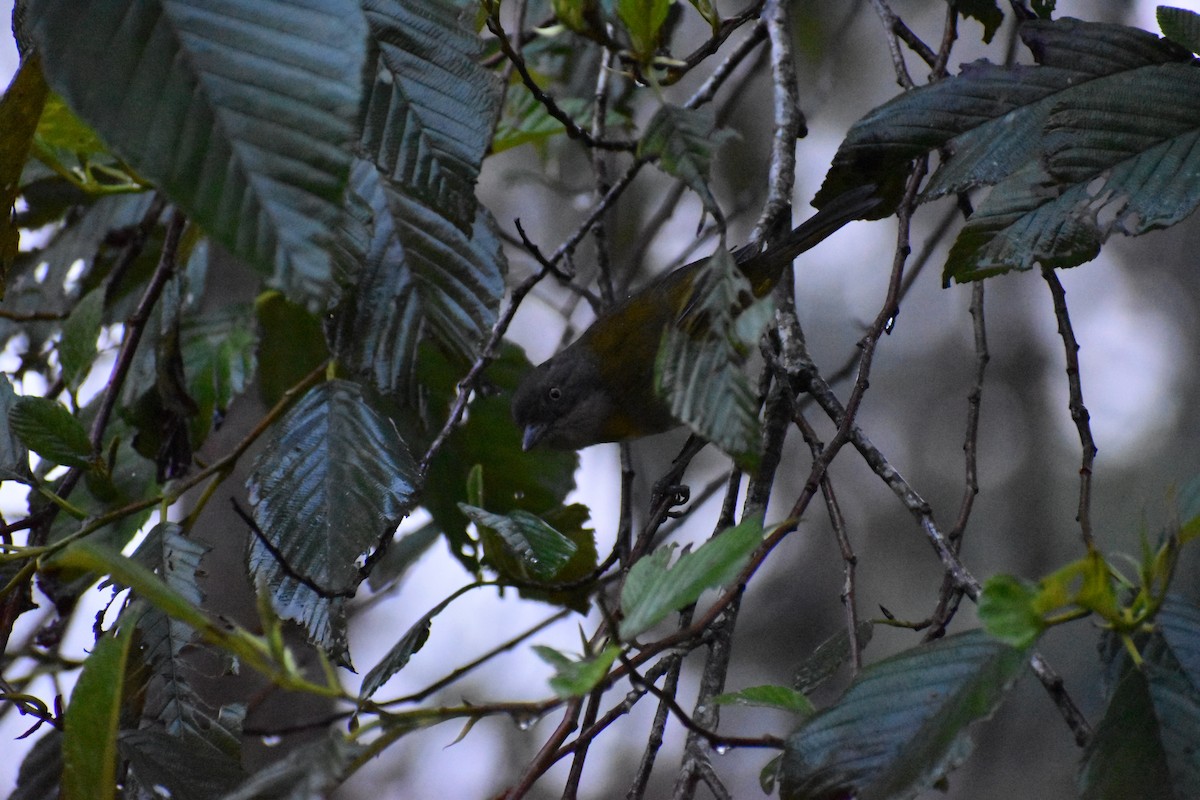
{"x": 533, "y": 434}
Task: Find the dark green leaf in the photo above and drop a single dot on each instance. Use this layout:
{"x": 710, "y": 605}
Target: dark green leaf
{"x": 308, "y": 772}
{"x": 218, "y": 362}
{"x": 92, "y": 720}
{"x": 576, "y": 678}
{"x": 1180, "y": 26}
{"x": 782, "y": 697}
{"x": 14, "y": 456}
{"x": 986, "y": 12}
{"x": 187, "y": 767}
{"x": 429, "y": 114}
{"x": 41, "y": 770}
{"x": 1007, "y": 611}
{"x": 542, "y": 550}
{"x": 699, "y": 365}
{"x": 1125, "y": 756}
{"x": 420, "y": 277}
{"x": 48, "y": 429}
{"x": 683, "y": 141}
{"x": 20, "y": 108}
{"x": 829, "y": 656}
{"x": 332, "y": 481}
{"x": 77, "y": 349}
{"x": 903, "y": 724}
{"x": 243, "y": 118}
{"x": 291, "y": 344}
{"x": 535, "y": 481}
{"x": 653, "y": 590}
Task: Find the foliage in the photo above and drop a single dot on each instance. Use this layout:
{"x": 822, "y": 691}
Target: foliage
{"x": 213, "y": 204}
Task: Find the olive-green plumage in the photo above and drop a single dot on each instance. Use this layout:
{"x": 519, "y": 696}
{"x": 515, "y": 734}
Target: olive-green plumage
{"x": 601, "y": 387}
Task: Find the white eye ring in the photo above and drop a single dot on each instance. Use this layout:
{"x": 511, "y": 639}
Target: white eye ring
{"x": 555, "y": 393}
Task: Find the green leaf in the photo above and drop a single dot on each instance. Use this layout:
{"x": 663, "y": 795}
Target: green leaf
{"x": 699, "y": 365}
{"x": 1180, "y": 26}
{"x": 542, "y": 550}
{"x": 93, "y": 720}
{"x": 20, "y": 108}
{"x": 60, "y": 129}
{"x": 986, "y": 12}
{"x": 1007, "y": 611}
{"x": 1125, "y": 756}
{"x": 708, "y": 10}
{"x": 536, "y": 481}
{"x": 291, "y": 344}
{"x": 683, "y": 141}
{"x": 218, "y": 362}
{"x": 49, "y": 429}
{"x": 14, "y": 455}
{"x": 420, "y": 277}
{"x": 188, "y": 767}
{"x": 575, "y": 678}
{"x": 398, "y": 656}
{"x": 828, "y": 657}
{"x": 431, "y": 106}
{"x": 334, "y": 478}
{"x": 77, "y": 349}
{"x": 903, "y": 724}
{"x": 312, "y": 770}
{"x": 781, "y": 697}
{"x": 653, "y": 590}
{"x": 643, "y": 19}
{"x": 243, "y": 118}
{"x": 41, "y": 771}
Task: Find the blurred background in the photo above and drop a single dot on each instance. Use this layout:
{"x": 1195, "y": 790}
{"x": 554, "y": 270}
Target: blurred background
{"x": 1134, "y": 313}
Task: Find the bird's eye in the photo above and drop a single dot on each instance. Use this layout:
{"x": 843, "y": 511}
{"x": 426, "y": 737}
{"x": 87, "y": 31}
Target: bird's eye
{"x": 555, "y": 393}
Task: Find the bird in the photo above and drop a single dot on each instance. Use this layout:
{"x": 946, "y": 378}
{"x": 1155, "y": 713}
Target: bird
{"x": 601, "y": 387}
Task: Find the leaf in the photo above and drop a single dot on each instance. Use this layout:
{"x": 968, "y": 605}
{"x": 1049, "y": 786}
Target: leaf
{"x": 683, "y": 141}
{"x": 902, "y": 725}
{"x": 93, "y": 719}
{"x": 1125, "y": 756}
{"x": 699, "y": 365}
{"x": 536, "y": 481}
{"x": 218, "y": 362}
{"x": 402, "y": 554}
{"x": 187, "y": 767}
{"x": 653, "y": 590}
{"x": 245, "y": 125}
{"x": 20, "y": 108}
{"x": 431, "y": 107}
{"x": 643, "y": 19}
{"x": 781, "y": 697}
{"x": 543, "y": 551}
{"x": 291, "y": 344}
{"x": 310, "y": 771}
{"x": 1180, "y": 26}
{"x": 48, "y": 429}
{"x": 14, "y": 455}
{"x": 986, "y": 12}
{"x": 398, "y": 656}
{"x": 828, "y": 657}
{"x": 77, "y": 349}
{"x": 41, "y": 770}
{"x": 334, "y": 478}
{"x": 1007, "y": 611}
{"x": 420, "y": 277}
{"x": 575, "y": 678}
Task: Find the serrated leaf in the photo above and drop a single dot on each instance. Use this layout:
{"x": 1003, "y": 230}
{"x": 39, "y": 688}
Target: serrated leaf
{"x": 431, "y": 107}
{"x": 93, "y": 719}
{"x": 781, "y": 697}
{"x": 421, "y": 277}
{"x": 398, "y": 656}
{"x": 653, "y": 590}
{"x": 1006, "y": 609}
{"x": 14, "y": 455}
{"x": 50, "y": 430}
{"x": 1180, "y": 26}
{"x": 334, "y": 478}
{"x": 187, "y": 767}
{"x": 218, "y": 362}
{"x": 575, "y": 678}
{"x": 542, "y": 550}
{"x": 41, "y": 771}
{"x": 903, "y": 724}
{"x": 683, "y": 141}
{"x": 77, "y": 349}
{"x": 310, "y": 771}
{"x": 245, "y": 125}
